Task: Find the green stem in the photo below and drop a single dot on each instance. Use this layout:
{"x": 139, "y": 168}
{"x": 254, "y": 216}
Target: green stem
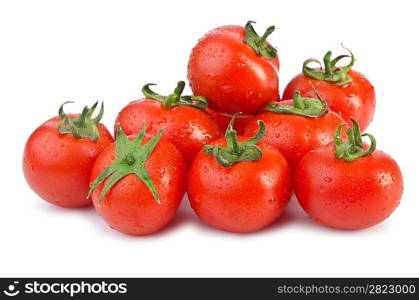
{"x": 354, "y": 149}
{"x": 331, "y": 73}
{"x": 257, "y": 43}
{"x": 131, "y": 157}
{"x": 236, "y": 151}
{"x": 306, "y": 107}
{"x": 176, "y": 97}
{"x": 83, "y": 126}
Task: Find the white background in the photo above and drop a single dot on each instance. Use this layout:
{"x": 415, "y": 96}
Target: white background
{"x": 52, "y": 51}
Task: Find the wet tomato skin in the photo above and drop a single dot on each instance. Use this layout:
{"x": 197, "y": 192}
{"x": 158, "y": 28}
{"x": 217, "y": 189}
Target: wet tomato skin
{"x": 245, "y": 197}
{"x": 57, "y": 166}
{"x": 348, "y": 195}
{"x": 230, "y": 74}
{"x": 129, "y": 206}
{"x": 188, "y": 128}
{"x": 353, "y": 100}
{"x": 295, "y": 135}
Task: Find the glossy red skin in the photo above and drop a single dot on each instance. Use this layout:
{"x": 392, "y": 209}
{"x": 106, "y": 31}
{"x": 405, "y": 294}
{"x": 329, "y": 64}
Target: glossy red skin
{"x": 129, "y": 206}
{"x": 240, "y": 122}
{"x": 230, "y": 74}
{"x": 188, "y": 128}
{"x": 295, "y": 135}
{"x": 348, "y": 195}
{"x": 245, "y": 197}
{"x": 354, "y": 100}
{"x": 57, "y": 166}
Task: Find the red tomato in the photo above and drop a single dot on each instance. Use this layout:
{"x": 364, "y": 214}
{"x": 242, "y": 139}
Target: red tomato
{"x": 347, "y": 92}
{"x": 240, "y": 123}
{"x": 137, "y": 184}
{"x": 348, "y": 189}
{"x": 293, "y": 132}
{"x": 235, "y": 69}
{"x": 187, "y": 124}
{"x": 239, "y": 191}
{"x": 57, "y": 165}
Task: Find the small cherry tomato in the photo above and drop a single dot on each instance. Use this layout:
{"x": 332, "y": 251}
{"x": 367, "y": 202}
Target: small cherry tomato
{"x": 348, "y": 186}
{"x": 347, "y": 92}
{"x": 235, "y": 69}
{"x": 239, "y": 184}
{"x": 59, "y": 156}
{"x": 137, "y": 183}
{"x": 186, "y": 121}
{"x": 296, "y": 126}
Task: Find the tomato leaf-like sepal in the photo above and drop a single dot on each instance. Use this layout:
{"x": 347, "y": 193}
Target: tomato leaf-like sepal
{"x": 306, "y": 107}
{"x": 236, "y": 151}
{"x": 176, "y": 97}
{"x": 131, "y": 157}
{"x": 83, "y": 126}
{"x": 330, "y": 73}
{"x": 258, "y": 43}
{"x": 354, "y": 148}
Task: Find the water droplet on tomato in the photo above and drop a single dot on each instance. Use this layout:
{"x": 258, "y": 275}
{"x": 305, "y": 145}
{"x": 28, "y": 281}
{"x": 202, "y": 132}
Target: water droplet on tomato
{"x": 327, "y": 179}
{"x": 161, "y": 120}
{"x": 184, "y": 125}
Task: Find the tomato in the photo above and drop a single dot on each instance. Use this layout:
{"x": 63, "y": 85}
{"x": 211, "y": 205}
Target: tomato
{"x": 296, "y": 126}
{"x": 185, "y": 120}
{"x": 137, "y": 183}
{"x": 239, "y": 124}
{"x": 347, "y": 92}
{"x": 235, "y": 69}
{"x": 59, "y": 156}
{"x": 239, "y": 184}
{"x": 348, "y": 186}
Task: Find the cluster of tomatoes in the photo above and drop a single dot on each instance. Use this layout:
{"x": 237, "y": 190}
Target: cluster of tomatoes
{"x": 309, "y": 142}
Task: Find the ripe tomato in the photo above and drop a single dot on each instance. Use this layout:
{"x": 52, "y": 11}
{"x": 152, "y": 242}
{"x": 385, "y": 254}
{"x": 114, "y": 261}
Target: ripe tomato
{"x": 185, "y": 120}
{"x": 235, "y": 69}
{"x": 347, "y": 186}
{"x": 239, "y": 184}
{"x": 137, "y": 183}
{"x": 296, "y": 126}
{"x": 239, "y": 124}
{"x": 59, "y": 156}
{"x": 347, "y": 92}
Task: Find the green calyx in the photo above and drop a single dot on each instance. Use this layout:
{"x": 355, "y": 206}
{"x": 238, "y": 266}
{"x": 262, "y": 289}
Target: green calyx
{"x": 83, "y": 126}
{"x": 236, "y": 151}
{"x": 330, "y": 73}
{"x": 306, "y": 107}
{"x": 258, "y": 43}
{"x": 131, "y": 157}
{"x": 354, "y": 148}
{"x": 176, "y": 97}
